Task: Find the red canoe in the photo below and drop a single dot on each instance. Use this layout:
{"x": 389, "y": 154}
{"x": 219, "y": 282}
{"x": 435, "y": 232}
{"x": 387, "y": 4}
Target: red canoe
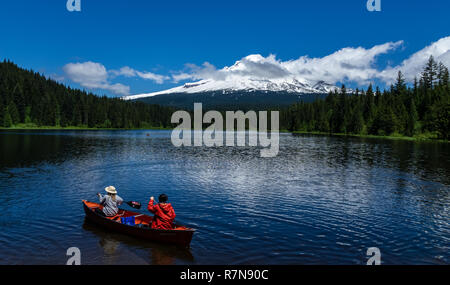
{"x": 179, "y": 235}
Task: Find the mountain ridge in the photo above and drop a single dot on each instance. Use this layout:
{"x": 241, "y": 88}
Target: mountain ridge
{"x": 243, "y": 76}
{"x": 294, "y": 86}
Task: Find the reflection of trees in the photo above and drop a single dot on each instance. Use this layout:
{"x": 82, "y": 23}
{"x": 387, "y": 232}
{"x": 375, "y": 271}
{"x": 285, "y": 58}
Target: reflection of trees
{"x": 421, "y": 168}
{"x": 29, "y": 148}
{"x": 428, "y": 160}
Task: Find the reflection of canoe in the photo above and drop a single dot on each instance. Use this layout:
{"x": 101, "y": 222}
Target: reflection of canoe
{"x": 155, "y": 253}
{"x": 180, "y": 235}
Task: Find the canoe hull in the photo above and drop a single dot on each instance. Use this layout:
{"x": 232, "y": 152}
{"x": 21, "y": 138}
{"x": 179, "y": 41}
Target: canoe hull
{"x": 181, "y": 237}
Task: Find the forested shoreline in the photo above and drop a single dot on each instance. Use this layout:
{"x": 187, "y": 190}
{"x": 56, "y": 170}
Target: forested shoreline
{"x": 30, "y": 100}
{"x": 421, "y": 109}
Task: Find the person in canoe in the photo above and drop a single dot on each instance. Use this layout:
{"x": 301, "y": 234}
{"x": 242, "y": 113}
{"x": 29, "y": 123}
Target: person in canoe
{"x": 163, "y": 213}
{"x": 110, "y": 202}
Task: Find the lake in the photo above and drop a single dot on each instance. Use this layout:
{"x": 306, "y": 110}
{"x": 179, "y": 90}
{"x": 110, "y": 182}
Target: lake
{"x": 322, "y": 200}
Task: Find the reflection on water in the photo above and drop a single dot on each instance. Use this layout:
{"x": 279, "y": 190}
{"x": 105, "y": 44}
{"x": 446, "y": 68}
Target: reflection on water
{"x": 322, "y": 200}
{"x": 121, "y": 249}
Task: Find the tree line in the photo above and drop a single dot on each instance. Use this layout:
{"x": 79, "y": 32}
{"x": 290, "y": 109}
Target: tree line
{"x": 423, "y": 108}
{"x": 29, "y": 98}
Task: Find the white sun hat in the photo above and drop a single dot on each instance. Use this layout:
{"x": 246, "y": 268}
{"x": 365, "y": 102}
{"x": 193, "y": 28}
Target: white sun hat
{"x": 111, "y": 190}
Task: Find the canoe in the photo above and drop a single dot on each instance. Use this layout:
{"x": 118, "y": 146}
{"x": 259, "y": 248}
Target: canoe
{"x": 179, "y": 235}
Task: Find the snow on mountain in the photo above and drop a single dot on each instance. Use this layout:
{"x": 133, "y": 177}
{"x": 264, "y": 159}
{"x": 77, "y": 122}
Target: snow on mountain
{"x": 243, "y": 76}
{"x": 293, "y": 86}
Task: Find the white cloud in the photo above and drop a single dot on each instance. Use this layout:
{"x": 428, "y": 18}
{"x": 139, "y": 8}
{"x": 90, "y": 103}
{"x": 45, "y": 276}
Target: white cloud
{"x": 94, "y": 75}
{"x": 346, "y": 65}
{"x": 130, "y": 72}
{"x": 152, "y": 76}
{"x": 117, "y": 88}
{"x": 413, "y": 66}
{"x": 206, "y": 71}
{"x": 88, "y": 74}
{"x": 182, "y": 77}
{"x": 124, "y": 71}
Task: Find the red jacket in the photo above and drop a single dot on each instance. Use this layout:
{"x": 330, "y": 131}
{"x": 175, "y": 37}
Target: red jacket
{"x": 164, "y": 215}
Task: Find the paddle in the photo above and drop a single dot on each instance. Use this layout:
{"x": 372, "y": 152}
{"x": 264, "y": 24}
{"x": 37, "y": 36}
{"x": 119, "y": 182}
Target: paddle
{"x": 134, "y": 204}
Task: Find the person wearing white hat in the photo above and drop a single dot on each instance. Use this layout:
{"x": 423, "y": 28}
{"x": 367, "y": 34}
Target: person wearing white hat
{"x": 110, "y": 202}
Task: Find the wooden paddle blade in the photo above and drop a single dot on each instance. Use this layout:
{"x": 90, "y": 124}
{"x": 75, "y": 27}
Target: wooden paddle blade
{"x": 134, "y": 204}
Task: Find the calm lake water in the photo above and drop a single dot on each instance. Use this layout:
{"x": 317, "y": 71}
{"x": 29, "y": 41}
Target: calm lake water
{"x": 322, "y": 200}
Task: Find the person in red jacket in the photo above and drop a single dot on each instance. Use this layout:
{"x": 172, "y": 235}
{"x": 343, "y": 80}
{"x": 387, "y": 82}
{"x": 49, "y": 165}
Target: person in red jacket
{"x": 164, "y": 213}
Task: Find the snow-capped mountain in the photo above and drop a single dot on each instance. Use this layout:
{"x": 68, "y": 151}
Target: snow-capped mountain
{"x": 252, "y": 73}
{"x": 250, "y": 85}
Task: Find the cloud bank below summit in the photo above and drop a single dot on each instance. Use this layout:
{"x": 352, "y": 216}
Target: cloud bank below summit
{"x": 357, "y": 65}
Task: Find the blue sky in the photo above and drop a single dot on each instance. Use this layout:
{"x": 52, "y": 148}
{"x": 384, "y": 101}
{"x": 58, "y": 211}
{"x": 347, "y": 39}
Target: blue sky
{"x": 160, "y": 37}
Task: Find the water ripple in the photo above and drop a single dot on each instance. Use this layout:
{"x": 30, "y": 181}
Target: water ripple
{"x": 322, "y": 200}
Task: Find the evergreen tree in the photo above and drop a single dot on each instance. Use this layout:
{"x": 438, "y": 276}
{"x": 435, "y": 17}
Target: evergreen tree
{"x": 19, "y": 101}
{"x": 385, "y": 122}
{"x": 400, "y": 85}
{"x": 77, "y": 119}
{"x": 429, "y": 73}
{"x": 443, "y": 75}
{"x": 14, "y": 113}
{"x": 356, "y": 123}
{"x": 411, "y": 122}
{"x": 341, "y": 112}
{"x": 2, "y": 111}
{"x": 369, "y": 106}
{"x": 27, "y": 119}
{"x": 442, "y": 120}
{"x": 7, "y": 120}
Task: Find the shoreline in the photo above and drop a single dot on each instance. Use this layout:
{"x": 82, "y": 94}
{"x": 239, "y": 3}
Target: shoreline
{"x": 72, "y": 128}
{"x": 420, "y": 138}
